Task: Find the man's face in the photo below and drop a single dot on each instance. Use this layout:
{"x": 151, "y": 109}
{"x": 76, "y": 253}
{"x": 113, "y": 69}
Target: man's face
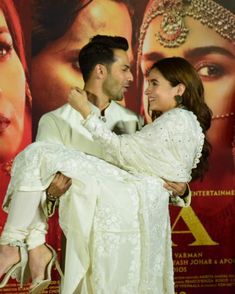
{"x": 54, "y": 70}
{"x": 118, "y": 77}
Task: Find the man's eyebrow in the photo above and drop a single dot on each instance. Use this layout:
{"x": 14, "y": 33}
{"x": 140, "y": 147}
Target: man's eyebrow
{"x": 200, "y": 51}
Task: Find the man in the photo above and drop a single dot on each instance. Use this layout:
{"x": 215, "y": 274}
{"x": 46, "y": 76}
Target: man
{"x": 58, "y": 34}
{"x": 105, "y": 67}
{"x": 105, "y": 86}
{"x": 55, "y": 47}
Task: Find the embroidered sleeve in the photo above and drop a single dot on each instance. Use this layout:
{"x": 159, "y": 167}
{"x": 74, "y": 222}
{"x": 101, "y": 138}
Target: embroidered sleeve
{"x": 168, "y": 148}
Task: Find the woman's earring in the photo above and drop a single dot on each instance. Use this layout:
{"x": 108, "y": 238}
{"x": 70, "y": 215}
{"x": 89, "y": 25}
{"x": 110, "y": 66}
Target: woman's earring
{"x": 178, "y": 100}
{"x": 28, "y": 94}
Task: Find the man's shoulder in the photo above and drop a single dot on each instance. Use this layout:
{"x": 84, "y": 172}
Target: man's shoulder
{"x": 118, "y": 108}
{"x": 123, "y": 118}
{"x": 65, "y": 113}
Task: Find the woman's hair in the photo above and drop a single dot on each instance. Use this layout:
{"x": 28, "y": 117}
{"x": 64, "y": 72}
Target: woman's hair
{"x": 14, "y": 26}
{"x": 178, "y": 70}
{"x": 52, "y": 19}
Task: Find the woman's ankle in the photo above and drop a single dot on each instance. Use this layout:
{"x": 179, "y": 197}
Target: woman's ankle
{"x": 39, "y": 257}
{"x": 6, "y": 250}
{"x": 9, "y": 255}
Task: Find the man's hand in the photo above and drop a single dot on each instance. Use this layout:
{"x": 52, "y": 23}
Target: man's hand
{"x": 178, "y": 189}
{"x": 78, "y": 100}
{"x": 58, "y": 186}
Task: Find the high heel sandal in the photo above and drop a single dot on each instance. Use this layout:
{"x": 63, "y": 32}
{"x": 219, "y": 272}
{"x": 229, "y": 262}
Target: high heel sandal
{"x": 38, "y": 285}
{"x": 17, "y": 270}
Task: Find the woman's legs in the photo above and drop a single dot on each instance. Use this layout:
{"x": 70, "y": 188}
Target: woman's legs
{"x": 26, "y": 223}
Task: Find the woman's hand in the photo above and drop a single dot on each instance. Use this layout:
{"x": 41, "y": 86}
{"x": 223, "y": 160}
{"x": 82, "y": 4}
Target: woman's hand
{"x": 78, "y": 100}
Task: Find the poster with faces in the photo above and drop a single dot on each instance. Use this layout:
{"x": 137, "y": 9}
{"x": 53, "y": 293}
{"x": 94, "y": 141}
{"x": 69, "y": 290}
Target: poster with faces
{"x": 40, "y": 43}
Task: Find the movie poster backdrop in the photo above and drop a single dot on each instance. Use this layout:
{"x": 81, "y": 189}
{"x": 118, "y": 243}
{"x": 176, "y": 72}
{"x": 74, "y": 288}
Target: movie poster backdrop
{"x": 202, "y": 31}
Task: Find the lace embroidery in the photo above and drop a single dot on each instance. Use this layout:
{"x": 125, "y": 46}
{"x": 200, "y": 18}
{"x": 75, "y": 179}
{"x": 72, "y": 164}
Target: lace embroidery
{"x": 174, "y": 143}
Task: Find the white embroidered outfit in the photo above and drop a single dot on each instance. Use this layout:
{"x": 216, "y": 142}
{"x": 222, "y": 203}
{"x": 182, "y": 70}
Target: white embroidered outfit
{"x": 115, "y": 217}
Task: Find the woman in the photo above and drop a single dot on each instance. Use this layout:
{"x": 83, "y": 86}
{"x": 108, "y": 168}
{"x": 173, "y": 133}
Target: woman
{"x": 121, "y": 210}
{"x": 212, "y": 53}
{"x": 15, "y": 101}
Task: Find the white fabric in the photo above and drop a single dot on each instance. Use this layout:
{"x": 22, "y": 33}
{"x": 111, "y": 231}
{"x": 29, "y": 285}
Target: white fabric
{"x": 25, "y": 222}
{"x": 117, "y": 222}
{"x": 63, "y": 126}
{"x": 169, "y": 147}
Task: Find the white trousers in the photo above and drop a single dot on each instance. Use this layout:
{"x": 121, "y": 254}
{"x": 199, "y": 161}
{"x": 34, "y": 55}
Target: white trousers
{"x": 26, "y": 221}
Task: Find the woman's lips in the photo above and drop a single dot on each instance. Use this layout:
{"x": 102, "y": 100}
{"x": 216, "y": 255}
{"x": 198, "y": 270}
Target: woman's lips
{"x": 4, "y": 123}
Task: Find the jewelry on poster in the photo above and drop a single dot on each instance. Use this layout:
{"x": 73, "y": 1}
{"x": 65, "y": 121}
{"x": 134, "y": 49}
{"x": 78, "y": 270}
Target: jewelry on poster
{"x": 173, "y": 30}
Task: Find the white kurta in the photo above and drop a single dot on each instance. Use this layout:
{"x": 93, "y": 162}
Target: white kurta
{"x": 117, "y": 222}
{"x": 64, "y": 126}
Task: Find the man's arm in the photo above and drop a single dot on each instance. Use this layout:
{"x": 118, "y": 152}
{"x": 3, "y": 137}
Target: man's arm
{"x": 180, "y": 193}
{"x": 59, "y": 185}
{"x": 49, "y": 131}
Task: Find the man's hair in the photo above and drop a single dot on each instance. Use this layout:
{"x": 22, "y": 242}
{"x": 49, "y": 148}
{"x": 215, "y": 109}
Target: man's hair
{"x": 100, "y": 50}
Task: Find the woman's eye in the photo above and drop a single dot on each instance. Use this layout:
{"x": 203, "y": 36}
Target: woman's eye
{"x": 5, "y": 49}
{"x": 210, "y": 71}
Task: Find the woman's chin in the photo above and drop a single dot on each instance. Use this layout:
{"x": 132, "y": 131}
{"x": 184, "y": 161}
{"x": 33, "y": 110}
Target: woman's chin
{"x": 152, "y": 108}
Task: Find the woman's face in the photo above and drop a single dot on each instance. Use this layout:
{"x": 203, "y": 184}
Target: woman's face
{"x": 214, "y": 59}
{"x": 160, "y": 93}
{"x": 12, "y": 95}
{"x": 54, "y": 70}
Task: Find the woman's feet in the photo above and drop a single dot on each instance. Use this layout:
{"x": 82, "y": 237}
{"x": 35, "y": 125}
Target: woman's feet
{"x": 9, "y": 256}
{"x": 39, "y": 258}
{"x": 41, "y": 261}
{"x": 12, "y": 263}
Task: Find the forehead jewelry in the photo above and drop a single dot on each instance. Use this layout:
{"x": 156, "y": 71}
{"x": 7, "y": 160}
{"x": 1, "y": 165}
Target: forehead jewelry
{"x": 225, "y": 115}
{"x": 173, "y": 30}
